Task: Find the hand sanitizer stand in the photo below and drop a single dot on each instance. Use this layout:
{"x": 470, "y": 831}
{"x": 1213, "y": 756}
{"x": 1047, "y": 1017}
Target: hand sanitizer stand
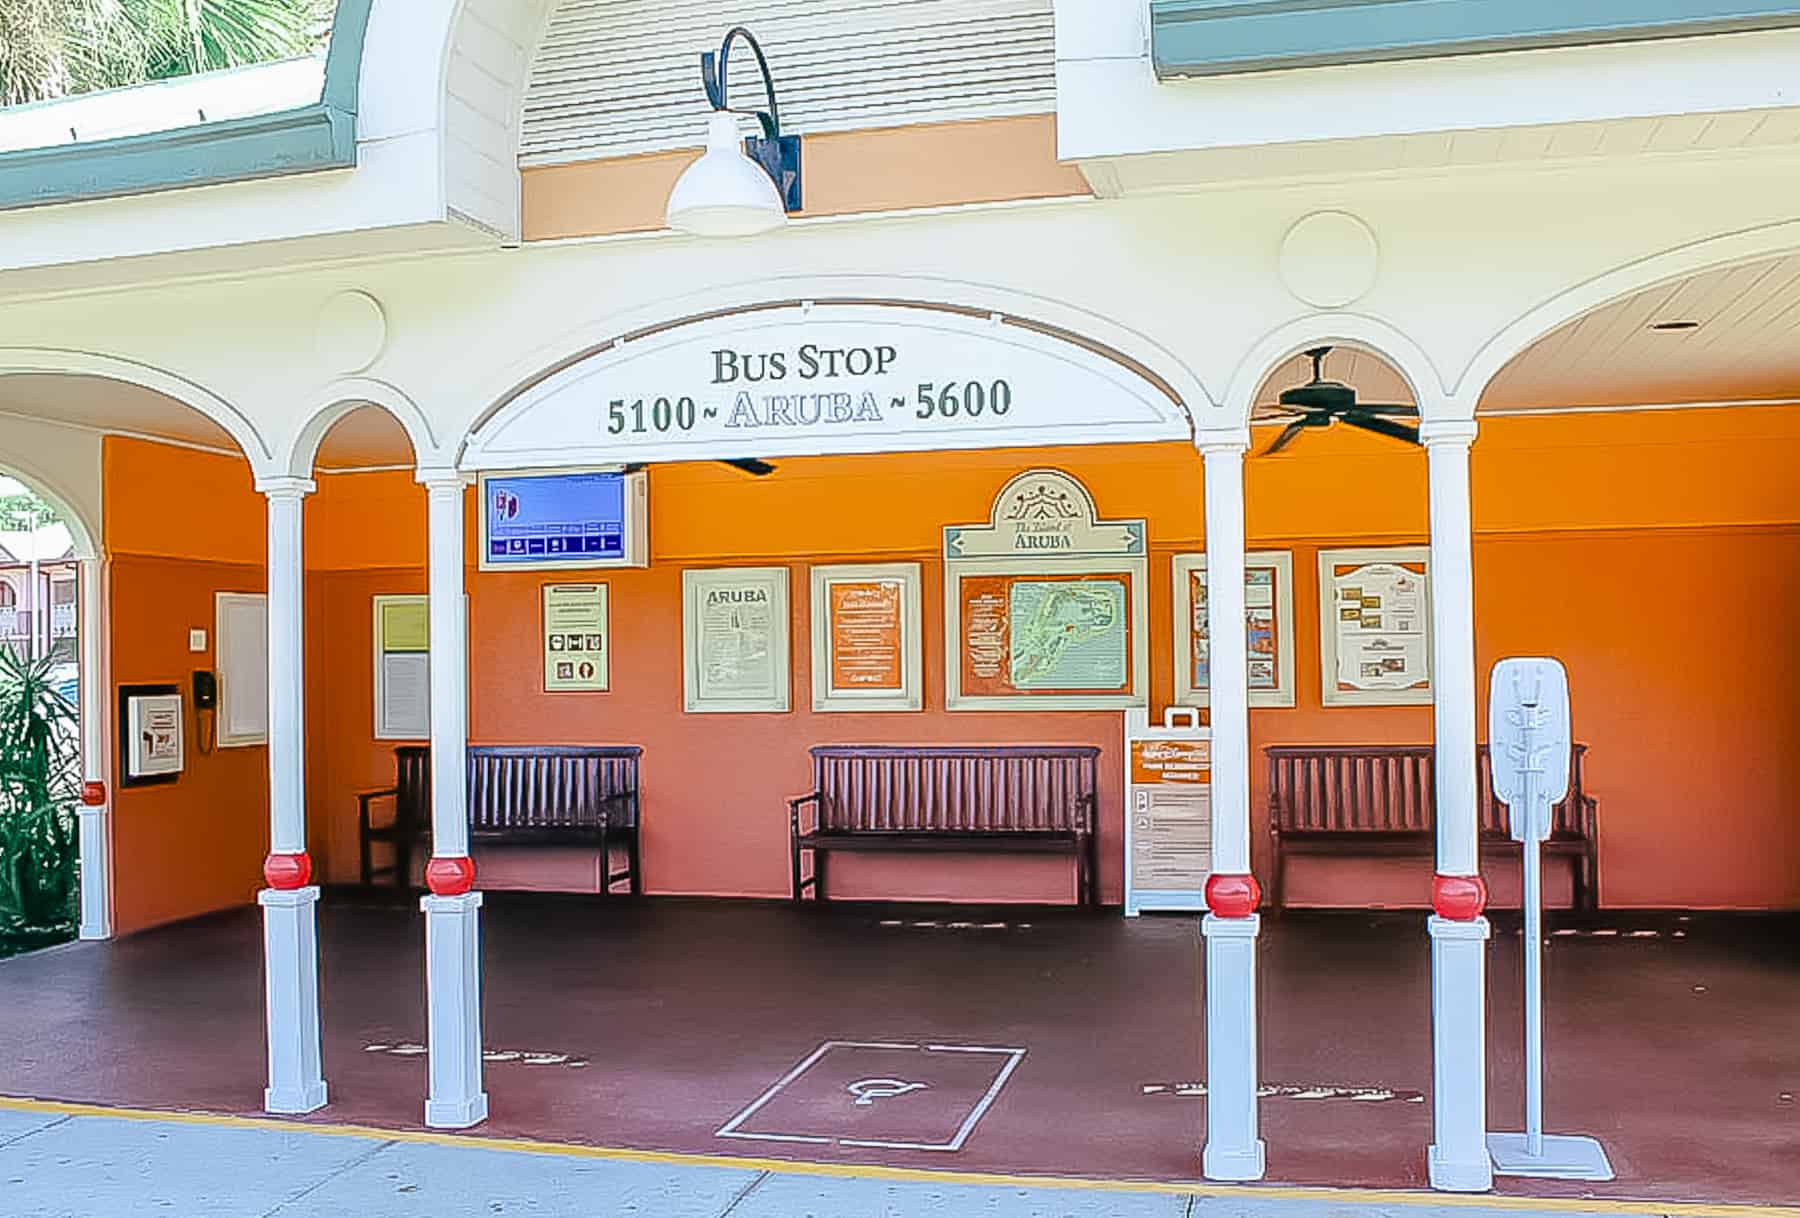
{"x": 1168, "y": 812}
{"x": 1528, "y": 740}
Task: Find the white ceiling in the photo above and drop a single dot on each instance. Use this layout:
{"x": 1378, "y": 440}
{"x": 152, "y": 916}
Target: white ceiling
{"x": 364, "y": 437}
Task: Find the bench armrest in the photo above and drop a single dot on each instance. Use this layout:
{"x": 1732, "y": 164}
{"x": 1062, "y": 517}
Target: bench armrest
{"x": 1590, "y": 819}
{"x": 365, "y": 798}
{"x": 794, "y": 806}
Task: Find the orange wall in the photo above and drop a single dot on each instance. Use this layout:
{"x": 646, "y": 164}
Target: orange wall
{"x": 1701, "y": 501}
{"x": 1614, "y": 542}
{"x": 180, "y": 526}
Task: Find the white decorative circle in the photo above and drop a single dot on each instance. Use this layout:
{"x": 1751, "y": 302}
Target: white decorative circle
{"x": 1329, "y": 259}
{"x": 351, "y": 332}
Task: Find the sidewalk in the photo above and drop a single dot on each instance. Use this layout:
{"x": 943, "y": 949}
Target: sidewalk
{"x": 57, "y": 1162}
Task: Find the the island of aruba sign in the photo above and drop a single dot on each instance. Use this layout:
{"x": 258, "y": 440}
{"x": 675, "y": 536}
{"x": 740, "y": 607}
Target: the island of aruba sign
{"x": 829, "y": 377}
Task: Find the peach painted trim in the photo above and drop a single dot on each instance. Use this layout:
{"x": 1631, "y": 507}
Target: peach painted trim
{"x": 891, "y": 169}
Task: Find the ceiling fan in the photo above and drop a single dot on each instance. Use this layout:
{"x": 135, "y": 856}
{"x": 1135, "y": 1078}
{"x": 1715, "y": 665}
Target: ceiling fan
{"x": 750, "y": 465}
{"x": 1320, "y": 403}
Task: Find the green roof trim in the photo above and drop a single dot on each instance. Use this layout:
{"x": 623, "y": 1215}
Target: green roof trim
{"x": 1222, "y": 37}
{"x": 303, "y": 139}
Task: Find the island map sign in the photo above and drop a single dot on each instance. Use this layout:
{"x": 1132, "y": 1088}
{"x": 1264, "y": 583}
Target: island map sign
{"x": 827, "y": 378}
{"x": 1045, "y": 602}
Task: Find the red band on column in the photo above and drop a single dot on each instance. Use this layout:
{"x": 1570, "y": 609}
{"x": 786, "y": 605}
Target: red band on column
{"x": 1460, "y": 898}
{"x": 1232, "y": 896}
{"x": 287, "y": 872}
{"x": 93, "y": 794}
{"x": 450, "y": 875}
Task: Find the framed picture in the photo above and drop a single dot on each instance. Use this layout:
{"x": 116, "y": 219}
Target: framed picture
{"x": 865, "y": 638}
{"x": 577, "y": 647}
{"x": 1268, "y": 625}
{"x": 734, "y": 640}
{"x": 151, "y": 734}
{"x": 1375, "y": 626}
{"x": 402, "y": 668}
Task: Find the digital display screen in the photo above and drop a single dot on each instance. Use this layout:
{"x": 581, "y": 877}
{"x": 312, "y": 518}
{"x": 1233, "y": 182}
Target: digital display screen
{"x": 534, "y": 519}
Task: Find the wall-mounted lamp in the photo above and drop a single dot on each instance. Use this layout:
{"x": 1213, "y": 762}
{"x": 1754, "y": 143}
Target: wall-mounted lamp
{"x": 735, "y": 190}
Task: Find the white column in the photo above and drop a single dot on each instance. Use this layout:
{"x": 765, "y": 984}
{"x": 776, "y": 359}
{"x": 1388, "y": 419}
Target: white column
{"x": 290, "y": 935}
{"x": 1458, "y": 1158}
{"x": 94, "y": 820}
{"x": 452, "y": 910}
{"x": 1233, "y": 1149}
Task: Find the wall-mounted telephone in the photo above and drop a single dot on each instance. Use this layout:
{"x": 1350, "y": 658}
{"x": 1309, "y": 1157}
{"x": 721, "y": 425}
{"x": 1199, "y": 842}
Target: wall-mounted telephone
{"x": 206, "y": 704}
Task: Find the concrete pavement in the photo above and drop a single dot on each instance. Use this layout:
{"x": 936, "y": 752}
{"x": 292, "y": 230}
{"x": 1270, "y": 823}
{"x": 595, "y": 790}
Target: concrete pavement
{"x": 67, "y": 1161}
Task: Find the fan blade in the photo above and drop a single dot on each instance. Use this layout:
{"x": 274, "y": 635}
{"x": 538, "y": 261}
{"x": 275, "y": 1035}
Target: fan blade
{"x": 1397, "y": 408}
{"x": 1287, "y": 434}
{"x": 1381, "y": 426}
{"x": 750, "y": 465}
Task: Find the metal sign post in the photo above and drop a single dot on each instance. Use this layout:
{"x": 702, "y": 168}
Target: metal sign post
{"x": 1529, "y": 742}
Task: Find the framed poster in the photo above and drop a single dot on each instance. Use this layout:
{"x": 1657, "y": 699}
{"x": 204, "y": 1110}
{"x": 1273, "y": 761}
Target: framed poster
{"x": 151, "y": 742}
{"x": 1375, "y": 626}
{"x": 734, "y": 639}
{"x": 577, "y": 651}
{"x": 865, "y": 638}
{"x": 1044, "y": 605}
{"x": 1268, "y": 625}
{"x": 402, "y": 668}
{"x": 241, "y": 657}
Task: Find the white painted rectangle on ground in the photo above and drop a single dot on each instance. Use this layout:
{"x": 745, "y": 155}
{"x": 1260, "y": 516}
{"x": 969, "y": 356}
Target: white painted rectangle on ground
{"x": 880, "y": 1094}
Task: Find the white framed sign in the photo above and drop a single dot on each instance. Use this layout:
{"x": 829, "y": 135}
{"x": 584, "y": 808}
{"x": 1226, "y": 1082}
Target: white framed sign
{"x": 152, "y": 744}
{"x": 734, "y": 640}
{"x": 577, "y": 646}
{"x": 402, "y": 668}
{"x": 241, "y": 653}
{"x": 865, "y": 628}
{"x": 1375, "y": 626}
{"x": 1044, "y": 605}
{"x": 845, "y": 376}
{"x": 1268, "y": 627}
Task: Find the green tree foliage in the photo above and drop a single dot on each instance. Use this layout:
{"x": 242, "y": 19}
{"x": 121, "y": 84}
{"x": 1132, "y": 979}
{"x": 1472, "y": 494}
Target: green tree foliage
{"x": 51, "y": 48}
{"x": 40, "y": 770}
{"x": 23, "y": 512}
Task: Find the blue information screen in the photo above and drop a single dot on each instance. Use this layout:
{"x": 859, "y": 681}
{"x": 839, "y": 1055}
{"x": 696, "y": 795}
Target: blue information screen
{"x": 539, "y": 518}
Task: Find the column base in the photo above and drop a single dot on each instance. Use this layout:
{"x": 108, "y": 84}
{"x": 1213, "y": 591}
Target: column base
{"x": 1218, "y": 1163}
{"x": 1458, "y": 1156}
{"x": 1233, "y": 1150}
{"x": 456, "y": 1114}
{"x": 291, "y": 970}
{"x": 1459, "y": 1175}
{"x": 294, "y": 1101}
{"x": 455, "y": 1099}
{"x": 96, "y": 918}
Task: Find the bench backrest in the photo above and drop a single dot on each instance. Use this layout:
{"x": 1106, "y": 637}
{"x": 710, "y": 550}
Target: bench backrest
{"x": 1368, "y": 788}
{"x": 998, "y": 788}
{"x": 526, "y": 786}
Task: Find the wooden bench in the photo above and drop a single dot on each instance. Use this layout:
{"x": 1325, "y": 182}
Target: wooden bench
{"x": 1379, "y": 800}
{"x": 518, "y": 795}
{"x": 1020, "y": 799}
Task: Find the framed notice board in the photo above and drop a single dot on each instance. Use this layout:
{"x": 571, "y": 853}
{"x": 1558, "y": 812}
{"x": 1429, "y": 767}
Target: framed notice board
{"x": 1268, "y": 628}
{"x": 1375, "y": 626}
{"x": 865, "y": 637}
{"x": 1044, "y": 605}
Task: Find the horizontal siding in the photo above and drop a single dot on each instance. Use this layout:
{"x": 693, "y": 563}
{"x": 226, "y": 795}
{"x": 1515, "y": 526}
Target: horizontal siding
{"x": 617, "y": 77}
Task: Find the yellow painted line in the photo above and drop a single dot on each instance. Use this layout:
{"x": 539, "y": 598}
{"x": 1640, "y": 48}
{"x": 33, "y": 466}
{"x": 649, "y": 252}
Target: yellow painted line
{"x": 856, "y": 1171}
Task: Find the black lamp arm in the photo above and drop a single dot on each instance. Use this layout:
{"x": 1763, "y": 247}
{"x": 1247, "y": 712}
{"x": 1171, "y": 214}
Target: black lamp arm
{"x": 713, "y": 71}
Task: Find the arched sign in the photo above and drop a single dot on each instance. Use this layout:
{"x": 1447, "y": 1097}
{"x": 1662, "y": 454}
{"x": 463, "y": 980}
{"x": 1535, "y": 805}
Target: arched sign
{"x": 840, "y": 377}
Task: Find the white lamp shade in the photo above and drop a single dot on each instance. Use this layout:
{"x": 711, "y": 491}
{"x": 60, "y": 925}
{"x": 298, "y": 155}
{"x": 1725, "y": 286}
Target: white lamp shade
{"x": 724, "y": 193}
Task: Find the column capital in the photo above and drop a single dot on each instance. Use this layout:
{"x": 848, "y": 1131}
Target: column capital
{"x": 1222, "y": 440}
{"x": 286, "y": 486}
{"x": 1433, "y": 432}
{"x": 444, "y": 478}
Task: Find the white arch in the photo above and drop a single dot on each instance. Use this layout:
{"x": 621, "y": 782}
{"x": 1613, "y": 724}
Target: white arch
{"x": 1371, "y": 334}
{"x": 493, "y": 388}
{"x": 1747, "y": 245}
{"x": 84, "y": 534}
{"x": 340, "y": 398}
{"x": 54, "y": 362}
